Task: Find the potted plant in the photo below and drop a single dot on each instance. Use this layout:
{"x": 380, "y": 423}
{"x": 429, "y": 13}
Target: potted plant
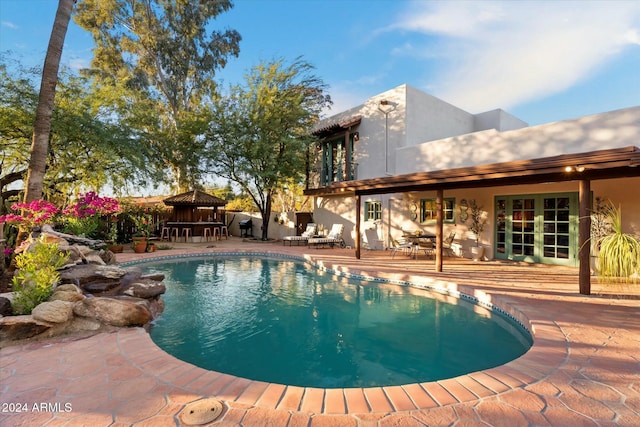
{"x": 144, "y": 225}
{"x": 112, "y": 237}
{"x": 619, "y": 257}
{"x": 477, "y": 222}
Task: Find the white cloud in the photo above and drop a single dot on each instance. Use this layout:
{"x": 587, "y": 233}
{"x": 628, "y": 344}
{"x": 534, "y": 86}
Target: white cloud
{"x": 500, "y": 54}
{"x": 9, "y": 24}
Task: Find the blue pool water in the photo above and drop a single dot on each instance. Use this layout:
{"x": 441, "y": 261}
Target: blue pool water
{"x": 282, "y": 321}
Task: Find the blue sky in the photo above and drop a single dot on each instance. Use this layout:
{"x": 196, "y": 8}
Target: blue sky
{"x": 542, "y": 61}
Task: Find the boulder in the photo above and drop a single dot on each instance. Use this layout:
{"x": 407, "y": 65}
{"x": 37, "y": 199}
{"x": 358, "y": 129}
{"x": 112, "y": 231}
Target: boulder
{"x": 14, "y": 328}
{"x": 66, "y": 292}
{"x": 116, "y": 312}
{"x": 88, "y": 273}
{"x": 53, "y": 312}
{"x": 102, "y": 287}
{"x": 145, "y": 288}
{"x": 5, "y": 307}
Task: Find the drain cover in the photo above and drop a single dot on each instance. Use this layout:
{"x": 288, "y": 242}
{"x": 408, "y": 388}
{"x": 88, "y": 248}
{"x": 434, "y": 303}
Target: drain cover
{"x": 201, "y": 412}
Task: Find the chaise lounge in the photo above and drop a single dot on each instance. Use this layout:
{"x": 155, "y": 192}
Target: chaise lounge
{"x": 303, "y": 238}
{"x": 333, "y": 238}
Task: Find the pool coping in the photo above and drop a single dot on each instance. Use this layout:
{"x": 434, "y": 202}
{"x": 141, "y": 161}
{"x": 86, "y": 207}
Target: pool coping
{"x": 541, "y": 361}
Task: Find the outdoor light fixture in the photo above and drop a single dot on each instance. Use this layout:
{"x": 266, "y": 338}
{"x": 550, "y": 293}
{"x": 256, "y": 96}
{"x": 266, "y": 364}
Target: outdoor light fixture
{"x": 577, "y": 168}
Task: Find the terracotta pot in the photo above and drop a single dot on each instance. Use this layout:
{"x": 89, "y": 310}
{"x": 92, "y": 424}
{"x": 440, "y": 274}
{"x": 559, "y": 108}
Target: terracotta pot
{"x": 116, "y": 249}
{"x": 140, "y": 246}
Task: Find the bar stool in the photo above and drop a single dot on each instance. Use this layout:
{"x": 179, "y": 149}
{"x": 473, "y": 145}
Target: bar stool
{"x": 224, "y": 231}
{"x": 186, "y": 233}
{"x": 165, "y": 234}
{"x": 216, "y": 233}
{"x": 206, "y": 234}
{"x": 175, "y": 233}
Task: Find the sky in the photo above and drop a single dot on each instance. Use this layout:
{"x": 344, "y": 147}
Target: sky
{"x": 542, "y": 61}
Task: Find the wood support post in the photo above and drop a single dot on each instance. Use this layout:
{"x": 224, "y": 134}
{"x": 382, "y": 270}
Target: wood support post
{"x": 584, "y": 234}
{"x": 439, "y": 225}
{"x": 357, "y": 236}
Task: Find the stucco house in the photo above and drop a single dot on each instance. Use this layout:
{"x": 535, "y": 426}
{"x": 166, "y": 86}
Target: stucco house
{"x": 381, "y": 165}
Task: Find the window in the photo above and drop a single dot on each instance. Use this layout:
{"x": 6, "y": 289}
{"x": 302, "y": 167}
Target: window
{"x": 372, "y": 211}
{"x": 337, "y": 160}
{"x": 429, "y": 211}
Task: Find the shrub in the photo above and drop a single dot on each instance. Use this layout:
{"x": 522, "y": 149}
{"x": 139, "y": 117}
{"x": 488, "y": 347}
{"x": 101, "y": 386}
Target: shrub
{"x": 619, "y": 252}
{"x": 36, "y": 276}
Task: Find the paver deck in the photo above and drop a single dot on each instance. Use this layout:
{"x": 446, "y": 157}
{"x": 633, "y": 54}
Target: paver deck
{"x": 583, "y": 369}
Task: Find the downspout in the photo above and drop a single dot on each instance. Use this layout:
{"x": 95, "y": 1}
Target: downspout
{"x": 385, "y": 108}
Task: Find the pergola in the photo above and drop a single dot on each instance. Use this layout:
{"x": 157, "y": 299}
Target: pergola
{"x": 581, "y": 167}
{"x": 185, "y": 205}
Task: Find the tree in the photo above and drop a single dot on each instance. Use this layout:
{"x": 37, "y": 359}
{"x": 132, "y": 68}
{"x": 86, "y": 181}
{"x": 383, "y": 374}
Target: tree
{"x": 261, "y": 132}
{"x": 89, "y": 145}
{"x": 165, "y": 51}
{"x": 42, "y": 126}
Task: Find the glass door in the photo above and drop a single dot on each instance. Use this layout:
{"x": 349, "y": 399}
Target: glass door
{"x": 523, "y": 237}
{"x": 537, "y": 228}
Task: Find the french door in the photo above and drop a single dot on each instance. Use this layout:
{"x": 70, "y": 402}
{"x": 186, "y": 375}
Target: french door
{"x": 537, "y": 228}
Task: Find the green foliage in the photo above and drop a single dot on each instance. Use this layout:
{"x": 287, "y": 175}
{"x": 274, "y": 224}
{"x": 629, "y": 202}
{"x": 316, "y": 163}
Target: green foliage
{"x": 86, "y": 227}
{"x": 164, "y": 56}
{"x": 262, "y": 130}
{"x": 36, "y": 276}
{"x": 619, "y": 258}
{"x": 91, "y": 142}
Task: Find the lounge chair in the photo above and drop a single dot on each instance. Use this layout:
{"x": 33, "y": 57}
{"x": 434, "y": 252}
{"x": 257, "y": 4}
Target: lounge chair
{"x": 303, "y": 238}
{"x": 333, "y": 238}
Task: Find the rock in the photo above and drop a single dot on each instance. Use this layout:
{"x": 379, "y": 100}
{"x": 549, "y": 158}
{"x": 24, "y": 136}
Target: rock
{"x": 53, "y": 312}
{"x": 67, "y": 287}
{"x": 113, "y": 311}
{"x": 100, "y": 287}
{"x": 94, "y": 258}
{"x": 83, "y": 324}
{"x": 68, "y": 296}
{"x": 88, "y": 273}
{"x": 13, "y": 328}
{"x": 158, "y": 277}
{"x": 5, "y": 307}
{"x": 145, "y": 288}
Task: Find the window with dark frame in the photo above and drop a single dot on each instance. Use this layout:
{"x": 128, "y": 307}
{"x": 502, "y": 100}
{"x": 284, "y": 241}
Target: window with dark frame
{"x": 429, "y": 210}
{"x": 372, "y": 211}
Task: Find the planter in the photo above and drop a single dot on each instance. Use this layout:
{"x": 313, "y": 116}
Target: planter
{"x": 116, "y": 249}
{"x": 151, "y": 248}
{"x": 139, "y": 245}
{"x": 477, "y": 252}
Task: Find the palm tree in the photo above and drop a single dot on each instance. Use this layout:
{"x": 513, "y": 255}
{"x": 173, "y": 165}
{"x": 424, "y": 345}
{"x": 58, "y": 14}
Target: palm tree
{"x": 42, "y": 125}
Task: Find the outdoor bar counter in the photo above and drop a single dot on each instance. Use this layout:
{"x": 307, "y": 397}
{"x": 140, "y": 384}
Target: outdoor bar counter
{"x": 197, "y": 228}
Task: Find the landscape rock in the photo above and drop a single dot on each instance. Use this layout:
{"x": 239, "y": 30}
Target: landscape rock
{"x": 53, "y": 312}
{"x": 15, "y": 328}
{"x": 145, "y": 288}
{"x": 113, "y": 311}
{"x": 5, "y": 307}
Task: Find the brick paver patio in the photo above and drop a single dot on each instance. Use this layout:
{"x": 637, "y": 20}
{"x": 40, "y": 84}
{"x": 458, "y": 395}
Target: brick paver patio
{"x": 583, "y": 369}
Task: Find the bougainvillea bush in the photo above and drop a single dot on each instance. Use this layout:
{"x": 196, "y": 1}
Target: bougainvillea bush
{"x": 88, "y": 216}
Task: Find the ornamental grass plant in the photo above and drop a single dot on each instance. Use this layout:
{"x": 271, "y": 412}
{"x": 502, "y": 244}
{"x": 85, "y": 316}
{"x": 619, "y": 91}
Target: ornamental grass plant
{"x": 619, "y": 257}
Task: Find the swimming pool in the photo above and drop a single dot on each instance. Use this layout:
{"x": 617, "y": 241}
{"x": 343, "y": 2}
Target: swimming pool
{"x": 283, "y": 321}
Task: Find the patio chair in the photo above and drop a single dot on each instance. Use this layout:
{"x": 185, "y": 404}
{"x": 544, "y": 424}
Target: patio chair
{"x": 446, "y": 245}
{"x": 303, "y": 238}
{"x": 427, "y": 246}
{"x": 401, "y": 244}
{"x": 333, "y": 238}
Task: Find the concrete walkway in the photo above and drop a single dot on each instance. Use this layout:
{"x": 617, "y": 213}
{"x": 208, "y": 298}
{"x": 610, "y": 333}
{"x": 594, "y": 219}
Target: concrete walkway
{"x": 583, "y": 369}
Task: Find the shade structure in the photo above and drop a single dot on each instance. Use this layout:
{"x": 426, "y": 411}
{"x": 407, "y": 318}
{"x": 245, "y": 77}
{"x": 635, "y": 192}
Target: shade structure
{"x": 189, "y": 206}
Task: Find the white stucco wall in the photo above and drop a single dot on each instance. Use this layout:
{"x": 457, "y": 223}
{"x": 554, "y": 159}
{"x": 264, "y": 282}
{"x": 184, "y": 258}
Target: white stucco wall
{"x": 615, "y": 129}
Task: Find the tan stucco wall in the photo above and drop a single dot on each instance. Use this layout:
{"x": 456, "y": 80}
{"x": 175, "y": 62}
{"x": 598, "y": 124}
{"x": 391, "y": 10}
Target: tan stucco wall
{"x": 396, "y": 210}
